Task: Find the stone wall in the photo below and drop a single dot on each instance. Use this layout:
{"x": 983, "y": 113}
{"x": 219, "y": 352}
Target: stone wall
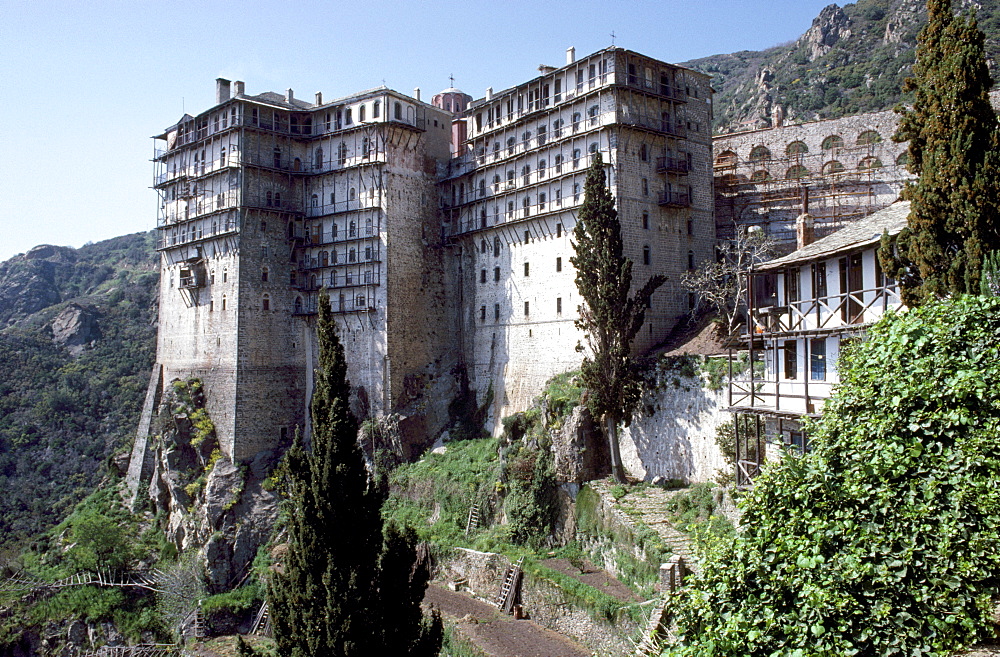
{"x": 543, "y": 602}
{"x": 673, "y": 433}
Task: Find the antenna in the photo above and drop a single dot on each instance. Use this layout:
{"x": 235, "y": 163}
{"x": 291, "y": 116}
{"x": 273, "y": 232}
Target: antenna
{"x": 612, "y": 37}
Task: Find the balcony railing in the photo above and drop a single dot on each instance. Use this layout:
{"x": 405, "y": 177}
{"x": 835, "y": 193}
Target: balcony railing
{"x": 848, "y": 310}
{"x": 675, "y": 199}
{"x": 671, "y": 165}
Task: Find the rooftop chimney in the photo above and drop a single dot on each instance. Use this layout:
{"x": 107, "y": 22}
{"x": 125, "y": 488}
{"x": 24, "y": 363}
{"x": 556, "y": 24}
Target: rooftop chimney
{"x": 239, "y": 88}
{"x": 319, "y": 97}
{"x": 489, "y": 93}
{"x": 805, "y": 230}
{"x": 416, "y": 93}
{"x": 221, "y": 90}
{"x": 289, "y": 96}
{"x": 570, "y": 55}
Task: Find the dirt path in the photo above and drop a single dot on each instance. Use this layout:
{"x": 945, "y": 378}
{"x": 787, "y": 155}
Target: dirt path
{"x": 497, "y": 634}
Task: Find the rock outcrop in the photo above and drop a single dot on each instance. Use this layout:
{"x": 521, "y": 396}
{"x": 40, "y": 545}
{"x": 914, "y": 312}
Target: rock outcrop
{"x": 76, "y": 327}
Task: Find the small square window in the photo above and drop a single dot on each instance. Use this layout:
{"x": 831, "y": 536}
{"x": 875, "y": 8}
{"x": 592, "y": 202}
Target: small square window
{"x": 559, "y": 305}
{"x": 482, "y": 275}
{"x": 482, "y": 313}
{"x": 558, "y": 264}
{"x": 526, "y": 269}
{"x": 526, "y": 309}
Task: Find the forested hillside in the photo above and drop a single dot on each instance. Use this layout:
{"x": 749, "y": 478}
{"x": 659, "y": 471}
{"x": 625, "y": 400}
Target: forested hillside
{"x": 76, "y": 346}
{"x": 852, "y": 59}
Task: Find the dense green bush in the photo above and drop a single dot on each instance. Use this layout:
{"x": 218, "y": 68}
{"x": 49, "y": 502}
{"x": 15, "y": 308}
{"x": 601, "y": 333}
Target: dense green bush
{"x": 885, "y": 539}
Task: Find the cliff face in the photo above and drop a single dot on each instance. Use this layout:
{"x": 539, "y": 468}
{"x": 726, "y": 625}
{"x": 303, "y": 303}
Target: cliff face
{"x": 77, "y": 335}
{"x": 852, "y": 59}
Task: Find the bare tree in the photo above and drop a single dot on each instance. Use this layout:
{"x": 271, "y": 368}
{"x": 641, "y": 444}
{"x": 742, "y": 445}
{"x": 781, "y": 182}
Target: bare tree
{"x": 722, "y": 284}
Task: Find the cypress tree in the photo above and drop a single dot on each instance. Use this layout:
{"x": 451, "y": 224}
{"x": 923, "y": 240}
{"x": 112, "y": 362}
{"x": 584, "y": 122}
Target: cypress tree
{"x": 953, "y": 148}
{"x": 610, "y": 317}
{"x": 344, "y": 589}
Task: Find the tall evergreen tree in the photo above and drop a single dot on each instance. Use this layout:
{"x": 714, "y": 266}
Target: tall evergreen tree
{"x": 610, "y": 317}
{"x": 953, "y": 147}
{"x": 346, "y": 587}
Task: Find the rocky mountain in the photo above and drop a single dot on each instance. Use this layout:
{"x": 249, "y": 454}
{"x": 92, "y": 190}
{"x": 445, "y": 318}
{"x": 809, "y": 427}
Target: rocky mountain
{"x": 852, "y": 59}
{"x": 77, "y": 340}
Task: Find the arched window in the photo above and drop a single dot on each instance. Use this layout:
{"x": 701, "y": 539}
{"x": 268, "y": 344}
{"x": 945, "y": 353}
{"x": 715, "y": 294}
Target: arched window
{"x": 761, "y": 175}
{"x": 269, "y": 199}
{"x": 496, "y": 179}
{"x": 342, "y": 154}
{"x": 376, "y": 109}
{"x": 277, "y": 158}
{"x": 690, "y": 259}
{"x": 526, "y": 173}
{"x": 869, "y": 137}
{"x": 797, "y": 148}
{"x": 482, "y": 187}
{"x": 760, "y": 153}
{"x": 223, "y": 301}
{"x": 796, "y": 172}
{"x": 510, "y": 145}
{"x": 366, "y": 144}
{"x": 832, "y": 142}
{"x": 869, "y": 163}
{"x": 726, "y": 159}
{"x": 397, "y": 111}
{"x": 833, "y": 166}
{"x": 361, "y": 113}
{"x": 277, "y": 199}
{"x": 496, "y": 247}
{"x": 482, "y": 246}
{"x": 265, "y": 303}
{"x": 646, "y": 257}
{"x": 352, "y": 229}
{"x": 352, "y": 194}
{"x": 558, "y": 163}
{"x": 315, "y": 200}
{"x": 324, "y": 258}
{"x": 263, "y": 274}
{"x": 592, "y": 114}
{"x": 593, "y": 148}
{"x": 352, "y": 255}
{"x": 576, "y": 121}
{"x": 318, "y": 158}
{"x": 541, "y": 168}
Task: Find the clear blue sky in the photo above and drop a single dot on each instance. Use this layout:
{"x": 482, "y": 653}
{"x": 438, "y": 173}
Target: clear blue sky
{"x": 85, "y": 84}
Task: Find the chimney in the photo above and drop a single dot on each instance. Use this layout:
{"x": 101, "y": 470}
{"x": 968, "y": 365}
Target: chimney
{"x": 570, "y": 55}
{"x": 489, "y": 93}
{"x": 805, "y": 230}
{"x": 239, "y": 88}
{"x": 416, "y": 93}
{"x": 289, "y": 96}
{"x": 221, "y": 90}
{"x": 319, "y": 97}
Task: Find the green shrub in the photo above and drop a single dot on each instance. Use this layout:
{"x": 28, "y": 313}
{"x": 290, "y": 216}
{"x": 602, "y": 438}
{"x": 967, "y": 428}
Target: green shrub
{"x": 885, "y": 538}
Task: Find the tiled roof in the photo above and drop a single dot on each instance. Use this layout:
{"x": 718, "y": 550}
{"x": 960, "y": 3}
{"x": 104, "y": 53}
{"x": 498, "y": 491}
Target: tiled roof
{"x": 861, "y": 233}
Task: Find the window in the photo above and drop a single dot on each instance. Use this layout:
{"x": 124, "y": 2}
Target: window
{"x": 223, "y": 301}
{"x": 817, "y": 359}
{"x": 832, "y": 142}
{"x": 868, "y": 138}
{"x": 644, "y": 153}
{"x": 797, "y": 171}
{"x": 593, "y": 148}
{"x": 645, "y": 221}
{"x": 482, "y": 246}
{"x": 559, "y": 305}
{"x": 482, "y": 218}
{"x": 526, "y": 269}
{"x": 225, "y": 274}
{"x": 361, "y": 113}
{"x": 277, "y": 199}
{"x": 510, "y": 145}
{"x": 791, "y": 359}
{"x": 482, "y": 275}
{"x": 819, "y": 279}
{"x": 263, "y": 251}
{"x": 318, "y": 158}
{"x": 366, "y": 145}
{"x": 496, "y": 180}
{"x": 368, "y": 253}
{"x": 558, "y": 230}
{"x": 222, "y": 157}
{"x": 352, "y": 255}
{"x": 265, "y": 303}
{"x": 541, "y": 168}
{"x": 759, "y": 154}
{"x": 526, "y": 173}
{"x": 576, "y": 157}
{"x": 510, "y": 177}
{"x": 690, "y": 227}
{"x": 496, "y": 274}
{"x": 347, "y": 117}
{"x": 496, "y": 247}
{"x": 269, "y": 199}
{"x": 496, "y": 312}
{"x": 558, "y": 264}
{"x": 645, "y": 187}
{"x": 559, "y": 161}
{"x": 797, "y": 148}
{"x": 526, "y": 313}
{"x": 541, "y": 135}
{"x": 559, "y": 197}
{"x": 277, "y": 158}
{"x": 592, "y": 114}
{"x": 791, "y": 285}
{"x": 397, "y": 110}
{"x": 376, "y": 109}
{"x": 482, "y": 313}
{"x": 646, "y": 255}
{"x": 690, "y": 260}
{"x": 342, "y": 154}
{"x": 527, "y": 236}
{"x": 576, "y": 121}
{"x": 576, "y": 192}
{"x": 541, "y": 201}
{"x": 526, "y": 204}
{"x": 263, "y": 275}
{"x": 558, "y": 123}
{"x": 315, "y": 200}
